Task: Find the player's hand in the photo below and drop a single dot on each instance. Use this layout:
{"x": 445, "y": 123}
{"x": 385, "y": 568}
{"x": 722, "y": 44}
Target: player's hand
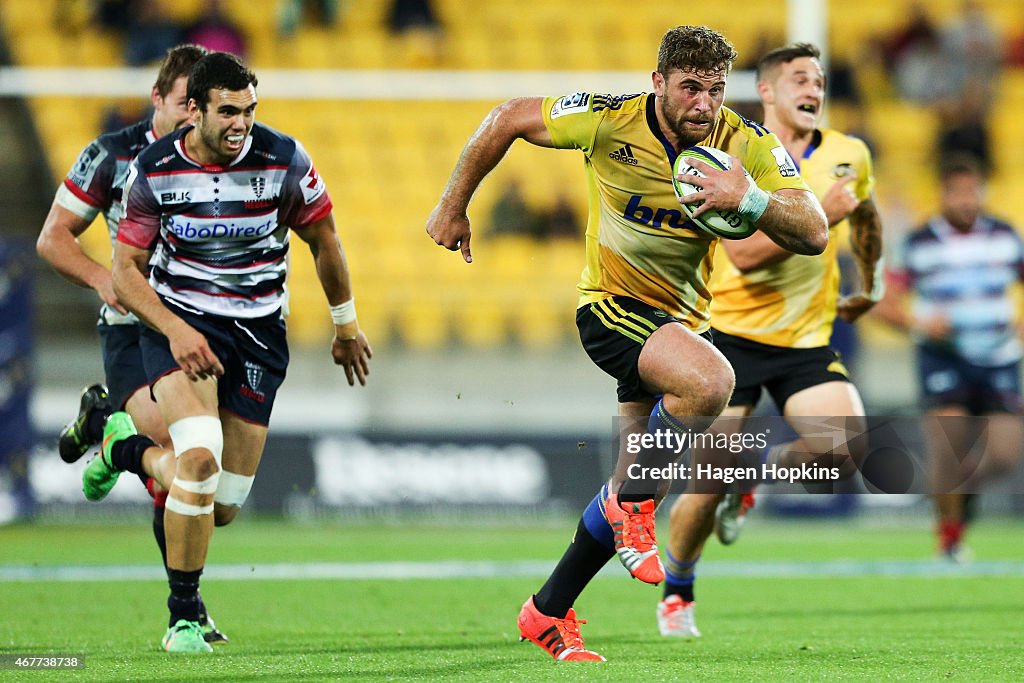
{"x": 936, "y": 328}
{"x": 105, "y": 291}
{"x": 719, "y": 189}
{"x": 193, "y": 353}
{"x": 839, "y": 202}
{"x": 852, "y": 307}
{"x": 450, "y": 230}
{"x": 354, "y": 356}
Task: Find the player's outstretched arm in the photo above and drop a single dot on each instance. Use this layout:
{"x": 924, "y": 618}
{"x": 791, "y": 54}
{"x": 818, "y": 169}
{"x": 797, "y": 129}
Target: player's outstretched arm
{"x": 188, "y": 346}
{"x": 58, "y": 245}
{"x": 866, "y": 245}
{"x": 448, "y": 224}
{"x": 350, "y": 348}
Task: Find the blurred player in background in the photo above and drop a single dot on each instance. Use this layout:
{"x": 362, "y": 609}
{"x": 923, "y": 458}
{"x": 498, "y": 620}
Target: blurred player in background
{"x": 772, "y": 311}
{"x": 959, "y": 268}
{"x": 208, "y": 214}
{"x": 643, "y": 307}
{"x": 95, "y": 185}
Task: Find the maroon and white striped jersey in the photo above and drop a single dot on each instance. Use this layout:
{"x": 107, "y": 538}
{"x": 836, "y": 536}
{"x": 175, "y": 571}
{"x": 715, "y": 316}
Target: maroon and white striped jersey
{"x": 220, "y": 234}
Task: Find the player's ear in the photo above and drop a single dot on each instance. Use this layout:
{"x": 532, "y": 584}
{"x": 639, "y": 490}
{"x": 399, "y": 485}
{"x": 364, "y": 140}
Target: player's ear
{"x": 658, "y": 79}
{"x": 765, "y": 92}
{"x": 154, "y": 96}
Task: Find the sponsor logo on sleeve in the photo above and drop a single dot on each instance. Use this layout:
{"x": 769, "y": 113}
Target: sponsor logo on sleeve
{"x": 312, "y": 186}
{"x": 570, "y": 104}
{"x": 85, "y": 167}
{"x": 785, "y": 163}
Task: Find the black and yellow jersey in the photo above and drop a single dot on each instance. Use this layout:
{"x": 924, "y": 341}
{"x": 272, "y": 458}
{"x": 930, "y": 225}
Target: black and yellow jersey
{"x": 793, "y": 303}
{"x": 639, "y": 241}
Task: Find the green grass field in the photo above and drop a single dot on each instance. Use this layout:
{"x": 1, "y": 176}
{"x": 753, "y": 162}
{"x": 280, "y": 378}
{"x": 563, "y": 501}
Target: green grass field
{"x": 921, "y": 621}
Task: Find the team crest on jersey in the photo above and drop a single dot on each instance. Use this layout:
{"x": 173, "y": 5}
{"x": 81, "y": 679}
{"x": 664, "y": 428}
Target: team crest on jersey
{"x": 254, "y": 376}
{"x": 785, "y": 163}
{"x": 88, "y": 161}
{"x": 843, "y": 170}
{"x": 570, "y": 104}
{"x": 258, "y": 185}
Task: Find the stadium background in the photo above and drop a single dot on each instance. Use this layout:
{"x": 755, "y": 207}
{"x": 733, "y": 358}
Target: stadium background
{"x": 479, "y": 398}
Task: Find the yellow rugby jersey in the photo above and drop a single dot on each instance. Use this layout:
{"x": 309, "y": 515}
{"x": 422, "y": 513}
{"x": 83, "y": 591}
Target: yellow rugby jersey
{"x": 639, "y": 242}
{"x": 793, "y": 303}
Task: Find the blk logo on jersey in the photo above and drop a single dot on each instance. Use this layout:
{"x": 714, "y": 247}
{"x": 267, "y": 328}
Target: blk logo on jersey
{"x": 179, "y": 197}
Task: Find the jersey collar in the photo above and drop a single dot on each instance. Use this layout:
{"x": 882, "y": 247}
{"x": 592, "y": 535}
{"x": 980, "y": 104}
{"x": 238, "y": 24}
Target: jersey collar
{"x": 652, "y": 123}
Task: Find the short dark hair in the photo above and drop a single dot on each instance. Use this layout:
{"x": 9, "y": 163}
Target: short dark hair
{"x": 960, "y": 163}
{"x": 785, "y": 55}
{"x": 217, "y": 70}
{"x": 694, "y": 48}
{"x": 177, "y": 63}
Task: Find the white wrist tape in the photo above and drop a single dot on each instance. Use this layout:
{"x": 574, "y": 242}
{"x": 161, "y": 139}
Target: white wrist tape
{"x": 877, "y": 282}
{"x": 342, "y": 314}
{"x": 234, "y": 489}
{"x": 754, "y": 202}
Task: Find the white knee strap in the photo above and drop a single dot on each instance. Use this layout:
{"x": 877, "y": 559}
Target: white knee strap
{"x": 198, "y": 431}
{"x": 233, "y": 489}
{"x": 204, "y": 487}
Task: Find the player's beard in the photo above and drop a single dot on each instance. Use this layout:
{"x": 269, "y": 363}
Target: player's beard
{"x": 677, "y": 121}
{"x": 213, "y": 139}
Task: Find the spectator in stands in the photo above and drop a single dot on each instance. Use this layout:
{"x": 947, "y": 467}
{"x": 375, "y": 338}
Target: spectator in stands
{"x": 561, "y": 221}
{"x": 408, "y": 15}
{"x": 215, "y": 31}
{"x": 972, "y": 53}
{"x": 512, "y": 215}
{"x": 964, "y": 129}
{"x": 290, "y": 13}
{"x": 151, "y": 33}
{"x": 914, "y": 57}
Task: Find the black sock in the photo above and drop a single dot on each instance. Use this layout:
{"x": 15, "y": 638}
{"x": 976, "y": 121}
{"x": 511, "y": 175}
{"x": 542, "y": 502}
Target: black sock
{"x": 158, "y": 532}
{"x": 126, "y": 454}
{"x": 183, "y": 602}
{"x": 581, "y": 561}
{"x": 685, "y": 591}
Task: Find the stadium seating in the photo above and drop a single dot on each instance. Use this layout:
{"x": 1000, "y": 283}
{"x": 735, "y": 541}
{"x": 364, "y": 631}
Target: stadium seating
{"x": 385, "y": 162}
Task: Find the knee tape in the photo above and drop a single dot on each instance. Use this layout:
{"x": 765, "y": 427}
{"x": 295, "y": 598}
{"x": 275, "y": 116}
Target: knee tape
{"x": 233, "y": 489}
{"x": 204, "y": 487}
{"x": 198, "y": 431}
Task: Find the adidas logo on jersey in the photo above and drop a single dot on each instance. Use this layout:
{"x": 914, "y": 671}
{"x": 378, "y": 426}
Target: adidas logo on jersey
{"x": 624, "y": 154}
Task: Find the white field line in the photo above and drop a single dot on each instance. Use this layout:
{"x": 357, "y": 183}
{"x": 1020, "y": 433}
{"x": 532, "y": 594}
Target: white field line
{"x": 397, "y": 571}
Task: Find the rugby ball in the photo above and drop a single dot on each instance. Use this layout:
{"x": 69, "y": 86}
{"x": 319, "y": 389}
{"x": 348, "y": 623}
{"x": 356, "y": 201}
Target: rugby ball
{"x": 728, "y": 225}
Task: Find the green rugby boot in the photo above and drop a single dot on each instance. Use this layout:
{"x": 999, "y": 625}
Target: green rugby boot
{"x": 100, "y": 476}
{"x": 185, "y": 636}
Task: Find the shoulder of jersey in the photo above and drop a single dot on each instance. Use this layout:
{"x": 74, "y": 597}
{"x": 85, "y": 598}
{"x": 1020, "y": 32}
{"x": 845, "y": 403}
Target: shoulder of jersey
{"x": 124, "y": 140}
{"x": 734, "y": 120}
{"x": 270, "y": 140}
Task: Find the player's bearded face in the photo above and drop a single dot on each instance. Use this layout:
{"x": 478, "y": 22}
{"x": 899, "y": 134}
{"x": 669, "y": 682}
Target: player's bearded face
{"x": 690, "y": 101}
{"x": 226, "y": 122}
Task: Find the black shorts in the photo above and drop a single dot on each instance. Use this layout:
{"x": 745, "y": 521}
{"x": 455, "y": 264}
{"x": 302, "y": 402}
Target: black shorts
{"x": 253, "y": 351}
{"x": 613, "y": 332}
{"x": 122, "y": 361}
{"x": 779, "y": 370}
{"x": 947, "y": 379}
